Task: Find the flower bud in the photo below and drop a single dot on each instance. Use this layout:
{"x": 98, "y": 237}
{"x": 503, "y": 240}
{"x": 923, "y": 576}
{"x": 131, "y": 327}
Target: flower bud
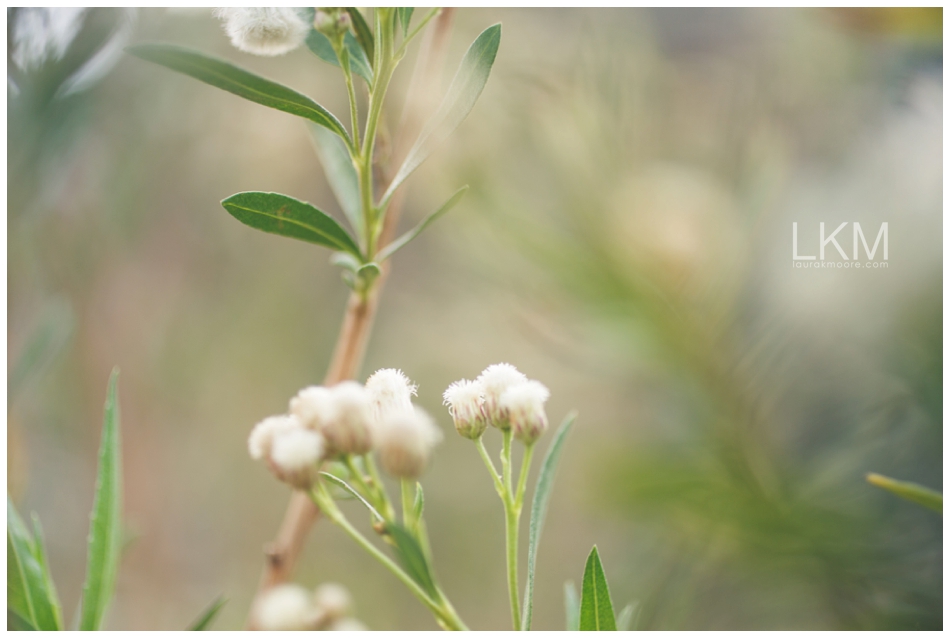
{"x": 262, "y": 436}
{"x": 405, "y": 441}
{"x": 333, "y": 601}
{"x": 295, "y": 455}
{"x": 496, "y": 379}
{"x": 349, "y": 430}
{"x": 390, "y": 391}
{"x": 264, "y": 30}
{"x": 524, "y": 405}
{"x": 284, "y": 608}
{"x": 466, "y": 400}
{"x": 313, "y": 406}
{"x": 333, "y": 23}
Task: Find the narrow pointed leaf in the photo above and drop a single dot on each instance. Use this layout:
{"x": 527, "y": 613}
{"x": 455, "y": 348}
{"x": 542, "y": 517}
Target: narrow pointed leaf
{"x": 539, "y": 509}
{"x": 363, "y": 33}
{"x": 626, "y": 619}
{"x": 572, "y": 607}
{"x": 28, "y": 594}
{"x": 320, "y": 45}
{"x": 284, "y": 215}
{"x": 207, "y": 616}
{"x": 233, "y": 79}
{"x": 404, "y": 15}
{"x": 39, "y": 552}
{"x": 459, "y": 100}
{"x": 401, "y": 241}
{"x": 105, "y": 529}
{"x": 597, "y": 612}
{"x": 909, "y": 491}
{"x": 341, "y": 174}
{"x": 412, "y": 558}
{"x": 336, "y": 480}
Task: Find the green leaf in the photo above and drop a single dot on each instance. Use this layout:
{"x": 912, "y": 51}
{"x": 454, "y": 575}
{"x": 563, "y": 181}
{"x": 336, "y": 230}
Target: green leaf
{"x": 626, "y": 619}
{"x": 597, "y": 613}
{"x": 459, "y": 100}
{"x": 341, "y": 174}
{"x": 572, "y": 607}
{"x": 39, "y": 552}
{"x": 29, "y": 589}
{"x": 320, "y": 45}
{"x": 363, "y": 33}
{"x": 336, "y": 480}
{"x": 401, "y": 241}
{"x": 207, "y": 616}
{"x": 233, "y": 79}
{"x": 910, "y": 491}
{"x": 404, "y": 15}
{"x": 284, "y": 215}
{"x": 412, "y": 558}
{"x": 539, "y": 509}
{"x": 16, "y": 622}
{"x": 105, "y": 528}
{"x": 419, "y": 504}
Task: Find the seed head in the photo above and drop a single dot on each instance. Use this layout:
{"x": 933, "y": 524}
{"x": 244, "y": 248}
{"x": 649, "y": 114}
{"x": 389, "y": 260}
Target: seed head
{"x": 496, "y": 379}
{"x": 313, "y": 406}
{"x": 262, "y": 436}
{"x": 390, "y": 392}
{"x": 405, "y": 441}
{"x": 284, "y": 608}
{"x": 264, "y": 30}
{"x": 466, "y": 401}
{"x": 295, "y": 455}
{"x": 524, "y": 405}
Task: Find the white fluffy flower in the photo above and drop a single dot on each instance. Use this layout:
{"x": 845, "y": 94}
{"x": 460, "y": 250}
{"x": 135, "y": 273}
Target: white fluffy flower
{"x": 296, "y": 449}
{"x": 332, "y": 600}
{"x": 466, "y": 400}
{"x": 262, "y": 436}
{"x": 349, "y": 430}
{"x": 496, "y": 379}
{"x": 390, "y": 392}
{"x": 404, "y": 442}
{"x": 313, "y": 406}
{"x": 284, "y": 608}
{"x": 264, "y": 30}
{"x": 524, "y": 406}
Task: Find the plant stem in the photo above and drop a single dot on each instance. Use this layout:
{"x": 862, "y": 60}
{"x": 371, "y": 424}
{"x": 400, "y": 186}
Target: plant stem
{"x": 499, "y": 487}
{"x": 344, "y": 57}
{"x": 407, "y": 499}
{"x": 512, "y": 520}
{"x": 523, "y": 479}
{"x": 412, "y": 34}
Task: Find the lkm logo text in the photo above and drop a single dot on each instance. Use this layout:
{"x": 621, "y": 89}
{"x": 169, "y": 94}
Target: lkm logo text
{"x": 831, "y": 253}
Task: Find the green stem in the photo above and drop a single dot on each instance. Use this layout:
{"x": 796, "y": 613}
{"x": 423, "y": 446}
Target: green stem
{"x": 523, "y": 478}
{"x": 385, "y": 507}
{"x": 344, "y": 57}
{"x": 512, "y": 520}
{"x": 407, "y": 499}
{"x": 506, "y": 462}
{"x": 412, "y": 34}
{"x": 499, "y": 487}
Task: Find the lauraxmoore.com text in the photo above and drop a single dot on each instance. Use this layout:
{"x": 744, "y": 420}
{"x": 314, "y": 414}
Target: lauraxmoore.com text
{"x": 831, "y": 253}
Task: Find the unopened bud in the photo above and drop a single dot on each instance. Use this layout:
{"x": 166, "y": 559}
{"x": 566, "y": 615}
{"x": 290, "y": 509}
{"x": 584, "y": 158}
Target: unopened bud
{"x": 349, "y": 430}
{"x": 313, "y": 406}
{"x": 405, "y": 441}
{"x": 295, "y": 455}
{"x": 284, "y": 608}
{"x": 390, "y": 391}
{"x": 466, "y": 401}
{"x": 524, "y": 405}
{"x": 496, "y": 379}
{"x": 333, "y": 23}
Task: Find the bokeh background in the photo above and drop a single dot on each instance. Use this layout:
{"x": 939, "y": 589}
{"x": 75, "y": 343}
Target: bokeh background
{"x": 627, "y": 240}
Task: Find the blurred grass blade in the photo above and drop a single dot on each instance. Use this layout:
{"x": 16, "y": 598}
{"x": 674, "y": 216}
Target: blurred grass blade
{"x": 341, "y": 175}
{"x": 597, "y": 612}
{"x": 404, "y": 239}
{"x": 404, "y": 15}
{"x": 539, "y": 509}
{"x": 336, "y": 480}
{"x": 236, "y": 80}
{"x": 29, "y": 592}
{"x": 16, "y": 622}
{"x": 412, "y": 558}
{"x": 627, "y": 617}
{"x": 207, "y": 617}
{"x": 283, "y": 215}
{"x": 320, "y": 46}
{"x": 459, "y": 100}
{"x": 572, "y": 607}
{"x": 105, "y": 529}
{"x": 909, "y": 491}
{"x": 48, "y": 336}
{"x": 364, "y": 36}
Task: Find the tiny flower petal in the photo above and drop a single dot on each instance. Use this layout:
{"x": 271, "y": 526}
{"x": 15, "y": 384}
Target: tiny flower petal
{"x": 404, "y": 442}
{"x": 390, "y": 391}
{"x": 264, "y": 30}
{"x": 466, "y": 400}
{"x": 524, "y": 406}
{"x": 495, "y": 380}
{"x": 284, "y": 608}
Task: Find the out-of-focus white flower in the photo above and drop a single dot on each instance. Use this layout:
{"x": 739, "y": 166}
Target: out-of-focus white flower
{"x": 390, "y": 392}
{"x": 524, "y": 406}
{"x": 42, "y": 33}
{"x": 264, "y": 30}
{"x": 349, "y": 430}
{"x": 313, "y": 406}
{"x": 295, "y": 454}
{"x": 262, "y": 436}
{"x": 348, "y": 624}
{"x": 466, "y": 400}
{"x": 404, "y": 442}
{"x": 332, "y": 600}
{"x": 496, "y": 379}
{"x": 284, "y": 608}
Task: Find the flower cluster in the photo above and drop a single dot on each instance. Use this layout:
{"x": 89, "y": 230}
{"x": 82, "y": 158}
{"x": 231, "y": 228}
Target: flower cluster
{"x": 347, "y": 419}
{"x": 503, "y": 397}
{"x": 290, "y": 607}
{"x": 265, "y": 31}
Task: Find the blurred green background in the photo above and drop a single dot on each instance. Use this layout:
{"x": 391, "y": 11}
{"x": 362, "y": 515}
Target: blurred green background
{"x": 634, "y": 175}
